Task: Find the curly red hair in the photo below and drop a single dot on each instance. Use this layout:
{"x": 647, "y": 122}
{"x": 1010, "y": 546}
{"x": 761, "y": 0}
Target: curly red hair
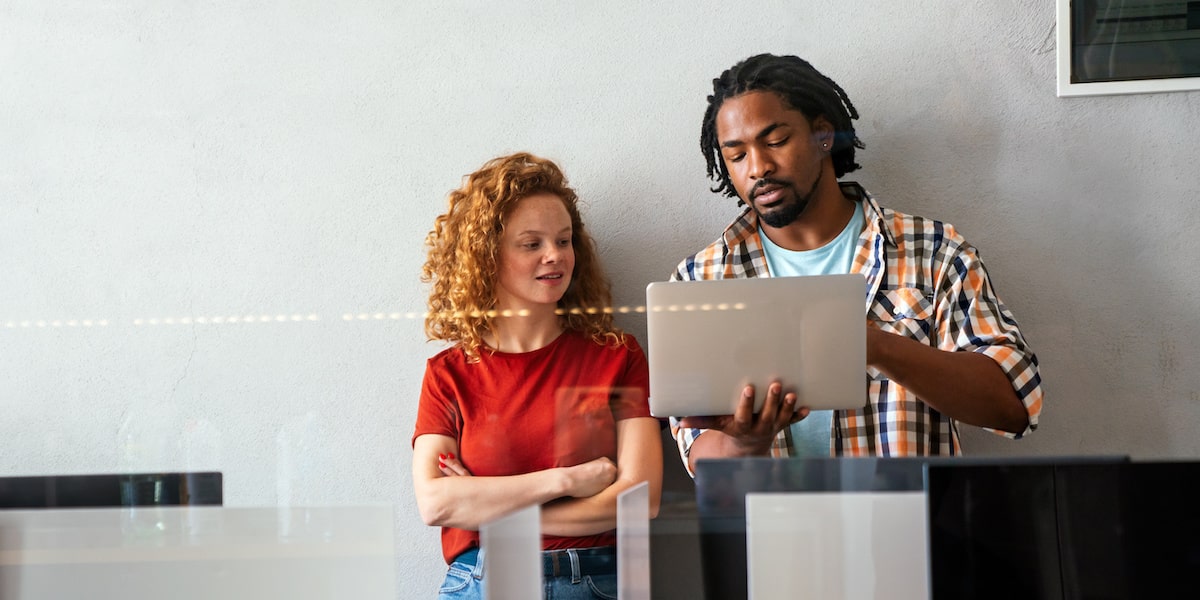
{"x": 464, "y": 246}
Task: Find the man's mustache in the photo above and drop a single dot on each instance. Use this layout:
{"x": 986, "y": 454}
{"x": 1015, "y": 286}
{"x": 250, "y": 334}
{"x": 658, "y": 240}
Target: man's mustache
{"x": 764, "y": 182}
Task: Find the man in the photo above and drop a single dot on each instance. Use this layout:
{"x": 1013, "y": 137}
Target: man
{"x": 941, "y": 346}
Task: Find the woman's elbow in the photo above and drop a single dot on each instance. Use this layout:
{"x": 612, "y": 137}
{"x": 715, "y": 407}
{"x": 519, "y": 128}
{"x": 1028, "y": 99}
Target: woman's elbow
{"x": 653, "y": 508}
{"x": 655, "y": 498}
{"x": 431, "y": 517}
{"x": 433, "y": 513}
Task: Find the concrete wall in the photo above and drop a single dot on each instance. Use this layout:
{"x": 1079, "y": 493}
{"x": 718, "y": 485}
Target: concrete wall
{"x": 206, "y": 162}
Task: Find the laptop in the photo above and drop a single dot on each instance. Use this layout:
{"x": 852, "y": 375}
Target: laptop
{"x": 707, "y": 339}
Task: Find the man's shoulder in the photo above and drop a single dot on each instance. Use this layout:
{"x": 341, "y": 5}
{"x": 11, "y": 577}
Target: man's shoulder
{"x": 908, "y": 227}
{"x": 699, "y": 265}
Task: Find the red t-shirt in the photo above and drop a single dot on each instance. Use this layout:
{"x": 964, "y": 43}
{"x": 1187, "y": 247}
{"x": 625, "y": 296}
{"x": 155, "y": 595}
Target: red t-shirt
{"x": 517, "y": 413}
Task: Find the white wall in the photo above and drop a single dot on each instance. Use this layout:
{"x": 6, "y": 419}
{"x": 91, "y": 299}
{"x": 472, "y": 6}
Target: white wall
{"x": 215, "y": 159}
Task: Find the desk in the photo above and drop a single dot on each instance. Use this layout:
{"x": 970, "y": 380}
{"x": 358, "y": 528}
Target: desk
{"x": 197, "y": 553}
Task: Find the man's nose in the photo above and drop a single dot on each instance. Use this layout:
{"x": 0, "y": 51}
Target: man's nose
{"x": 760, "y": 164}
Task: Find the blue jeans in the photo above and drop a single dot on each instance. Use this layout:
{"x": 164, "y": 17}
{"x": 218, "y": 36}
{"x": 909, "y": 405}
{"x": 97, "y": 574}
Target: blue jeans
{"x": 464, "y": 578}
{"x": 464, "y": 581}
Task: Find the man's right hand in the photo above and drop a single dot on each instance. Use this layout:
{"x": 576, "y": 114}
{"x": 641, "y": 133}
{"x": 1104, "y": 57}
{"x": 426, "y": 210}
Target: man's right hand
{"x": 746, "y": 433}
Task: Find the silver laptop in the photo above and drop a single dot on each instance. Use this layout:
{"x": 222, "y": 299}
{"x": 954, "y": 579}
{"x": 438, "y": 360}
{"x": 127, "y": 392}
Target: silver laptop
{"x": 707, "y": 339}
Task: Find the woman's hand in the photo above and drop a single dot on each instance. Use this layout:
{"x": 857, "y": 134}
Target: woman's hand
{"x": 450, "y": 466}
{"x": 589, "y": 478}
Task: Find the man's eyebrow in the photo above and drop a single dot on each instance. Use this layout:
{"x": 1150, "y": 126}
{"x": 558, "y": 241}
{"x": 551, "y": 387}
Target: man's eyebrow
{"x": 762, "y": 134}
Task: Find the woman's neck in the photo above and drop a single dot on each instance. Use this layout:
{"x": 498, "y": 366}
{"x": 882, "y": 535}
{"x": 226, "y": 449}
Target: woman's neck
{"x": 517, "y": 334}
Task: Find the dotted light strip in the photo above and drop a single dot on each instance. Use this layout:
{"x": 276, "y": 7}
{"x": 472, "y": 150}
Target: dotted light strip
{"x": 221, "y": 320}
{"x": 56, "y": 323}
{"x": 698, "y": 307}
{"x": 378, "y": 316}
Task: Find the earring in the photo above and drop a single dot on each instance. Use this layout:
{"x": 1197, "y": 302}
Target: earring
{"x": 824, "y": 145}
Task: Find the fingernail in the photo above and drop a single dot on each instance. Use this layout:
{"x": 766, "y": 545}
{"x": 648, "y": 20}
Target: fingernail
{"x": 451, "y": 455}
{"x": 441, "y": 457}
{"x": 441, "y": 464}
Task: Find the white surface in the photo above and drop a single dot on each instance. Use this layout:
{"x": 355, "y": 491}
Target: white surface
{"x": 197, "y": 553}
{"x": 708, "y": 339}
{"x": 512, "y": 555}
{"x": 633, "y": 543}
{"x": 834, "y": 546}
{"x": 169, "y": 159}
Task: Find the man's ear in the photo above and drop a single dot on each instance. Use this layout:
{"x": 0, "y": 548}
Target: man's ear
{"x": 822, "y": 131}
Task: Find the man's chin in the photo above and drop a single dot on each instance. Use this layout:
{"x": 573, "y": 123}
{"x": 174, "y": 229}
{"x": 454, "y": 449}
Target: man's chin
{"x": 779, "y": 216}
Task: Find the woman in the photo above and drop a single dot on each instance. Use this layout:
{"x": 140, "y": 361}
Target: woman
{"x": 540, "y": 399}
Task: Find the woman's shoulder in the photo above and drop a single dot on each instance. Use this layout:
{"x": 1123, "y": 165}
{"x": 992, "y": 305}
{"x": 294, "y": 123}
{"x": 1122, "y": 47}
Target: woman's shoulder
{"x": 614, "y": 342}
{"x": 450, "y": 357}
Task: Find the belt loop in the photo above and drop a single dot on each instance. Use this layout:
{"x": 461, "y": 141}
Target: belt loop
{"x": 477, "y": 572}
{"x": 576, "y": 576}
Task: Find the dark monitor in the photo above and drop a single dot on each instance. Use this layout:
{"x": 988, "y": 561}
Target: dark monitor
{"x": 722, "y": 485}
{"x": 96, "y": 491}
{"x": 1063, "y": 531}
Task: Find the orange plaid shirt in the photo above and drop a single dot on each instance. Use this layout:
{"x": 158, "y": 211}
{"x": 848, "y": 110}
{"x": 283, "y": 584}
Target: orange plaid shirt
{"x": 924, "y": 281}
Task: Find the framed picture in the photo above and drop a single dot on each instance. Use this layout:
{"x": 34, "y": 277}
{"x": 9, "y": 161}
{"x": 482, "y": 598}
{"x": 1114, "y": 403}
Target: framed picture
{"x": 1127, "y": 46}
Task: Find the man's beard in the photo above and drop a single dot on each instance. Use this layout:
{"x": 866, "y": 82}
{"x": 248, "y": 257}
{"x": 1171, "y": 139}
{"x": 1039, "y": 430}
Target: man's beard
{"x": 788, "y": 213}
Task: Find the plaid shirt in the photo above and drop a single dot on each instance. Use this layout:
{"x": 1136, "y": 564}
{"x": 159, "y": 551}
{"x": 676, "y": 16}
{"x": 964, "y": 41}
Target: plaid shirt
{"x": 924, "y": 281}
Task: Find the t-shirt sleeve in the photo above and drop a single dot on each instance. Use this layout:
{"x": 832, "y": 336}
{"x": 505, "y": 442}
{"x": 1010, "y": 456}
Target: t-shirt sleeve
{"x": 632, "y": 391}
{"x": 437, "y": 410}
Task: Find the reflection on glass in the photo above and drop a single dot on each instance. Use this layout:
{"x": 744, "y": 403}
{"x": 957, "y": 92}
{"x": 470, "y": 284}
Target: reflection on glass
{"x": 1116, "y": 40}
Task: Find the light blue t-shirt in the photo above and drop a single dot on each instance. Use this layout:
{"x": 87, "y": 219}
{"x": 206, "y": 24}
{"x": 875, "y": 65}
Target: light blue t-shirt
{"x": 810, "y": 437}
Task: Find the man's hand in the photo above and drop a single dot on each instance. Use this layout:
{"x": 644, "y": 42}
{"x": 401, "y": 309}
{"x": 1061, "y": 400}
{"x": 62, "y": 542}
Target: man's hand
{"x": 748, "y": 434}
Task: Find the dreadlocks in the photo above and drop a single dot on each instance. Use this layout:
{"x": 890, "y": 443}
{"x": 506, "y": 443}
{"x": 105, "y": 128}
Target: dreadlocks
{"x": 802, "y": 88}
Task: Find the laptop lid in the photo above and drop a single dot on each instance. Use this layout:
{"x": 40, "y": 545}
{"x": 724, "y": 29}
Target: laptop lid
{"x": 708, "y": 339}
